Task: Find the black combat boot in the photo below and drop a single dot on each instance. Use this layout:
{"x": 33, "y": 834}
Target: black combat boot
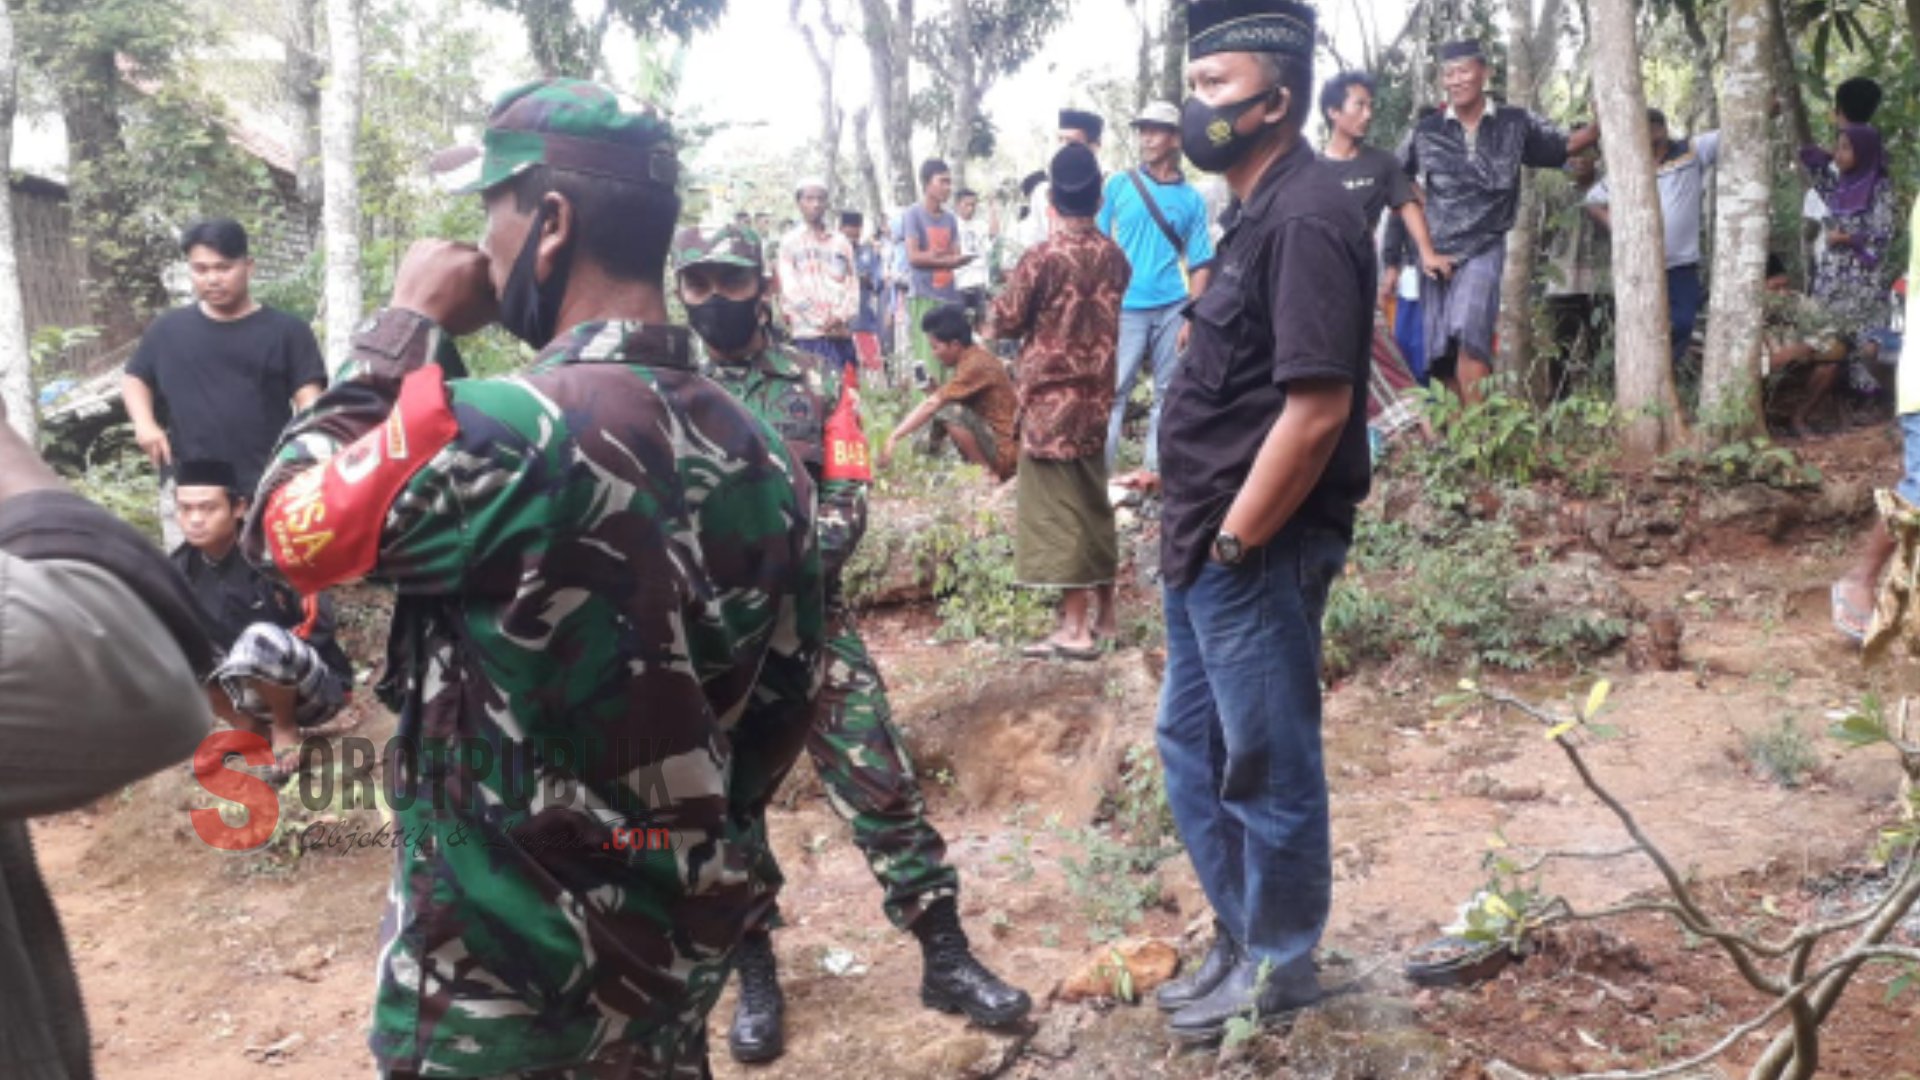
{"x": 755, "y": 1034}
{"x": 1191, "y": 987}
{"x": 953, "y": 980}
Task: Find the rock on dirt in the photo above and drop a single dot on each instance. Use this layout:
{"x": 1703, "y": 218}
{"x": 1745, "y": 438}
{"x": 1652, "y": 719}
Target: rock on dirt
{"x": 1147, "y": 964}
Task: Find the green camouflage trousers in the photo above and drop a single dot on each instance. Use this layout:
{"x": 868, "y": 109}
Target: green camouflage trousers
{"x": 869, "y": 778}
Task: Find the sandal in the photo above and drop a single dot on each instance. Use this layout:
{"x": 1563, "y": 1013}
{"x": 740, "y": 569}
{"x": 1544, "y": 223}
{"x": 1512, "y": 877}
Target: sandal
{"x": 1846, "y": 618}
{"x": 1068, "y": 652}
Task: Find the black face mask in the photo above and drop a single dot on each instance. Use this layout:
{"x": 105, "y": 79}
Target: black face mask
{"x": 1208, "y": 136}
{"x": 725, "y": 325}
{"x": 530, "y": 310}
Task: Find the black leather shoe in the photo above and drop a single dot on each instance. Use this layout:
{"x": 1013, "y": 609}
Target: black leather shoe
{"x": 755, "y": 1035}
{"x": 1196, "y": 984}
{"x": 954, "y": 980}
{"x": 1240, "y": 994}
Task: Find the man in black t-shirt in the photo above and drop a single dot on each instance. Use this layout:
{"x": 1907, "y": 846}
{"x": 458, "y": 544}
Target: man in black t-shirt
{"x": 228, "y": 372}
{"x": 280, "y": 668}
{"x": 1371, "y": 174}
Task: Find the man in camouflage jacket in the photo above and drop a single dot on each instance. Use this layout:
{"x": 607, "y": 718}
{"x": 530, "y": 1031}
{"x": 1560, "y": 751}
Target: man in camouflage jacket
{"x": 859, "y": 754}
{"x": 605, "y": 642}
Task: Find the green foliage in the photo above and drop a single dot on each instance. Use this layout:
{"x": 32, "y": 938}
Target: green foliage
{"x": 1113, "y": 879}
{"x": 1748, "y": 461}
{"x": 1511, "y": 904}
{"x": 562, "y": 44}
{"x": 1782, "y": 753}
{"x": 118, "y": 477}
{"x": 979, "y": 595}
{"x": 1446, "y": 598}
{"x": 1504, "y": 439}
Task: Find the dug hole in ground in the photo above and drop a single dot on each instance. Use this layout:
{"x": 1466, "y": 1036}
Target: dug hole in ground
{"x": 1043, "y": 779}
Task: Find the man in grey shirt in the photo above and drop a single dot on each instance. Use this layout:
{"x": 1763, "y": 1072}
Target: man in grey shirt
{"x": 1681, "y": 177}
{"x": 99, "y": 648}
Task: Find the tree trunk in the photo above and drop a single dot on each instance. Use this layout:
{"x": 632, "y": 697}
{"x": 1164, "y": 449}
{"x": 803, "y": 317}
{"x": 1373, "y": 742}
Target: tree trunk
{"x": 302, "y": 79}
{"x": 889, "y": 38}
{"x": 1702, "y": 61}
{"x": 830, "y": 115}
{"x": 1527, "y": 62}
{"x": 966, "y": 91}
{"x": 1173, "y": 53}
{"x": 869, "y": 174}
{"x": 1730, "y": 385}
{"x": 1913, "y": 25}
{"x": 1789, "y": 84}
{"x": 1643, "y": 358}
{"x": 119, "y": 290}
{"x": 16, "y": 361}
{"x": 340, "y": 127}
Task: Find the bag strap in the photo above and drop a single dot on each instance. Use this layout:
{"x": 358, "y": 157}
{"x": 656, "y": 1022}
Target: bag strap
{"x": 1153, "y": 208}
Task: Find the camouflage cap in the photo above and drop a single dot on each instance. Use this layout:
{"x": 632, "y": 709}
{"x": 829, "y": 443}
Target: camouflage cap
{"x": 569, "y": 124}
{"x": 729, "y": 245}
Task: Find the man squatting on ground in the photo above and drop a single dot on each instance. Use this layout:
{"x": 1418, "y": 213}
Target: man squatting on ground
{"x": 1264, "y": 452}
{"x": 1467, "y": 159}
{"x": 100, "y": 657}
{"x": 605, "y": 568}
{"x": 280, "y": 668}
{"x": 857, "y": 750}
{"x": 975, "y": 408}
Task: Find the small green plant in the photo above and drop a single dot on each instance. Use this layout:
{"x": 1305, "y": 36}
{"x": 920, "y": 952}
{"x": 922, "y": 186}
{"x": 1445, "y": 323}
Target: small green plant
{"x": 1114, "y": 880}
{"x": 1782, "y": 753}
{"x": 1243, "y": 1027}
{"x": 1748, "y": 461}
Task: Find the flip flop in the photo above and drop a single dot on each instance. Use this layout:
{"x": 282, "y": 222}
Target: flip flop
{"x": 1068, "y": 652}
{"x": 1846, "y": 619}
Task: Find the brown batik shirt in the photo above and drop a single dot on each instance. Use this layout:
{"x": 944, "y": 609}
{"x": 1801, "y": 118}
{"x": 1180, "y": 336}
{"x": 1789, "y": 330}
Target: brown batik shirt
{"x": 1064, "y": 301}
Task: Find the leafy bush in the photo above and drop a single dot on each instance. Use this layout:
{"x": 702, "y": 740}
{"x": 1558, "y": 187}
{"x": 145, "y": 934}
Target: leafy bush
{"x": 1448, "y": 599}
{"x": 1504, "y": 439}
{"x": 1748, "y": 461}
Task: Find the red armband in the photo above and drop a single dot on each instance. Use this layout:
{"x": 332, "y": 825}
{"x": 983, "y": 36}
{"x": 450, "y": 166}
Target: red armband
{"x": 323, "y": 528}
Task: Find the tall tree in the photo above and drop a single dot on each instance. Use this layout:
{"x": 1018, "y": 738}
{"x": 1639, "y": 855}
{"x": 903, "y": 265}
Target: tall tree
{"x": 1529, "y": 60}
{"x": 1173, "y": 52}
{"x": 822, "y": 44}
{"x": 79, "y": 46}
{"x": 1643, "y": 356}
{"x": 1787, "y": 78}
{"x": 887, "y": 30}
{"x": 300, "y": 44}
{"x": 16, "y": 361}
{"x": 340, "y": 128}
{"x": 564, "y": 45}
{"x": 869, "y": 173}
{"x": 971, "y": 46}
{"x": 1730, "y": 385}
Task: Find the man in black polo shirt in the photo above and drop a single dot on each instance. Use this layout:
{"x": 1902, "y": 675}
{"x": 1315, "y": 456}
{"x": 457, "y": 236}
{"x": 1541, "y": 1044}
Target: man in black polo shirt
{"x": 228, "y": 372}
{"x": 1468, "y": 158}
{"x": 1263, "y": 446}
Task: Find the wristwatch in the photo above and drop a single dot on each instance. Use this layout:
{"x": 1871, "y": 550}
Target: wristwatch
{"x": 1227, "y": 549}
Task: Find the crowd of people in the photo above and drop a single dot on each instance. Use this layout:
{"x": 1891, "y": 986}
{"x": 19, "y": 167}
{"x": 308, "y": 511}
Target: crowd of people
{"x": 626, "y": 559}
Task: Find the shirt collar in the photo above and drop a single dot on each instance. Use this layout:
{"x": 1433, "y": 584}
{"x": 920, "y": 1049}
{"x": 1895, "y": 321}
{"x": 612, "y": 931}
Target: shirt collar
{"x": 1268, "y": 187}
{"x": 622, "y": 341}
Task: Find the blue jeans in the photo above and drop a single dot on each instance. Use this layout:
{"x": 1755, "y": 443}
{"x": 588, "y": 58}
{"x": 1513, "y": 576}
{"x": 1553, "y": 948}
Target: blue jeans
{"x": 1239, "y": 737}
{"x": 1147, "y": 332}
{"x": 1410, "y": 333}
{"x": 1683, "y": 307}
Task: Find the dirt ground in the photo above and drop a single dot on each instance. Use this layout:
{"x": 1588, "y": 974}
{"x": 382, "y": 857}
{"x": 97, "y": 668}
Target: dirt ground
{"x": 203, "y": 964}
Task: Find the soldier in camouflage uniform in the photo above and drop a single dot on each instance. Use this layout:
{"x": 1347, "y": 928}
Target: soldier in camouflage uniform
{"x": 606, "y": 638}
{"x": 855, "y": 747}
